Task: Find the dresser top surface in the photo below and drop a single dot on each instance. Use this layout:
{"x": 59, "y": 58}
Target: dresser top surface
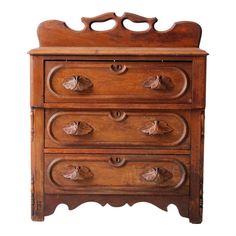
{"x": 133, "y": 51}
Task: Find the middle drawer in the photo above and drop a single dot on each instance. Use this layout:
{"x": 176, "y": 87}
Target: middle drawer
{"x": 169, "y": 130}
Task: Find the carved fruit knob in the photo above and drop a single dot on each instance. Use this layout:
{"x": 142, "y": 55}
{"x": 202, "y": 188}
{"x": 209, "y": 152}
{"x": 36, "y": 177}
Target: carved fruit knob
{"x": 76, "y": 173}
{"x": 78, "y": 128}
{"x": 157, "y": 127}
{"x": 158, "y": 83}
{"x": 157, "y": 175}
{"x": 78, "y": 83}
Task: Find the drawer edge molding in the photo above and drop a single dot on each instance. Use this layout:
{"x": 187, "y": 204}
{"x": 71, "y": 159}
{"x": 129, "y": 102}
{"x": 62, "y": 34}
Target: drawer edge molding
{"x": 49, "y": 76}
{"x": 92, "y": 174}
{"x": 107, "y": 114}
{"x": 163, "y": 82}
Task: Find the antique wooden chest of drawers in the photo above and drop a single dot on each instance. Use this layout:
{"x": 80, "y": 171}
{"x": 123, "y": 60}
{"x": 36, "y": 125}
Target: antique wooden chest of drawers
{"x": 118, "y": 116}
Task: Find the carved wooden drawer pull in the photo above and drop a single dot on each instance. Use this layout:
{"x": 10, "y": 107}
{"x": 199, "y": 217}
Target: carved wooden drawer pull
{"x": 159, "y": 83}
{"x": 78, "y": 83}
{"x": 118, "y": 68}
{"x": 157, "y": 175}
{"x": 78, "y": 128}
{"x": 117, "y": 161}
{"x": 77, "y": 173}
{"x": 157, "y": 127}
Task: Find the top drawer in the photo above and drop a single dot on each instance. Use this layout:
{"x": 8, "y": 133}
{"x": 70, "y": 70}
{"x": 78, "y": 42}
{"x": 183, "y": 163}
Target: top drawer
{"x": 122, "y": 82}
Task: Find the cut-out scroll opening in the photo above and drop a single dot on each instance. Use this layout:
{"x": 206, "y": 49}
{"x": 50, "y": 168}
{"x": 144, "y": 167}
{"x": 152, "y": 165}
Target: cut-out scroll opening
{"x": 103, "y": 26}
{"x": 137, "y": 27}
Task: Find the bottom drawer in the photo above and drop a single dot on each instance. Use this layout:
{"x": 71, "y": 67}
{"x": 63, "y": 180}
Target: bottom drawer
{"x": 119, "y": 174}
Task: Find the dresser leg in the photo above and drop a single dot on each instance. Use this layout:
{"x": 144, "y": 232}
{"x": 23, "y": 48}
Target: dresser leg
{"x": 37, "y": 218}
{"x": 197, "y": 220}
{"x": 196, "y": 179}
{"x": 37, "y": 212}
{"x": 195, "y": 212}
{"x": 37, "y": 163}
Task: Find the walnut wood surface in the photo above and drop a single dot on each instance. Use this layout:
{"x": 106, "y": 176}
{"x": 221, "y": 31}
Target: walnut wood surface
{"x": 130, "y": 85}
{"x": 73, "y": 201}
{"x": 127, "y": 51}
{"x": 117, "y": 151}
{"x": 57, "y": 33}
{"x": 107, "y": 178}
{"x": 37, "y": 164}
{"x": 118, "y": 116}
{"x": 129, "y": 132}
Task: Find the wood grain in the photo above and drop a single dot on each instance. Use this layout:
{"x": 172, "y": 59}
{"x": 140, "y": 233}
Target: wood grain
{"x": 129, "y": 132}
{"x": 118, "y": 116}
{"x": 36, "y": 82}
{"x": 37, "y": 164}
{"x": 127, "y": 87}
{"x": 107, "y": 178}
{"x": 53, "y": 200}
{"x": 57, "y": 33}
{"x": 117, "y": 151}
{"x": 196, "y": 178}
{"x": 116, "y": 51}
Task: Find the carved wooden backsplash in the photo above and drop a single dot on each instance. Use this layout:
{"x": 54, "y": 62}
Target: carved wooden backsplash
{"x": 57, "y": 33}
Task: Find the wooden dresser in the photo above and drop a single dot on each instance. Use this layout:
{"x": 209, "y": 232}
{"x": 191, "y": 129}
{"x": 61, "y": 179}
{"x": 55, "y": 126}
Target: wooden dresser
{"x": 118, "y": 116}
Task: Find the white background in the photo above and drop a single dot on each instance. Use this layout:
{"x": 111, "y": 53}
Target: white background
{"x": 18, "y": 24}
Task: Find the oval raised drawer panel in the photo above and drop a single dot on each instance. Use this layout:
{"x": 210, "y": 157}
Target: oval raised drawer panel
{"x": 136, "y": 129}
{"x": 97, "y": 174}
{"x": 157, "y": 82}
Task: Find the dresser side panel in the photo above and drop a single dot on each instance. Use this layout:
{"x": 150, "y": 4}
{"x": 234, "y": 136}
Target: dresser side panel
{"x": 36, "y": 81}
{"x": 37, "y": 160}
{"x": 196, "y": 167}
{"x": 199, "y": 82}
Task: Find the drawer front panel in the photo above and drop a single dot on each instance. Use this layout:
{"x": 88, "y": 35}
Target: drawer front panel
{"x": 103, "y": 173}
{"x": 117, "y": 128}
{"x": 159, "y": 82}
